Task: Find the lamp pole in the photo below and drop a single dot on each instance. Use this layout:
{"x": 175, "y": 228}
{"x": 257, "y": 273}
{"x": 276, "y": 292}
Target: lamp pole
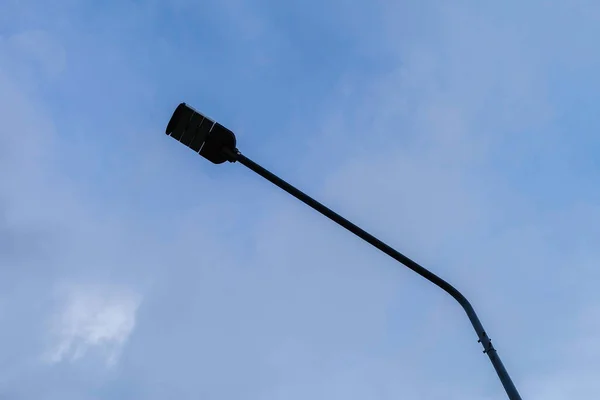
{"x": 218, "y": 144}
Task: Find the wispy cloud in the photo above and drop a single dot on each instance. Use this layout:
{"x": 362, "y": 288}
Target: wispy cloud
{"x": 93, "y": 319}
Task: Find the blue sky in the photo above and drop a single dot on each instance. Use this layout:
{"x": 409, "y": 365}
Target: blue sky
{"x": 464, "y": 134}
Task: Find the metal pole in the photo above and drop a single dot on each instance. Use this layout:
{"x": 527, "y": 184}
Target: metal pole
{"x": 488, "y": 348}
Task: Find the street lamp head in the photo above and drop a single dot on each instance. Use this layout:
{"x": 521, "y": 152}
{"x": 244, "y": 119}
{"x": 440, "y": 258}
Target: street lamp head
{"x": 209, "y": 138}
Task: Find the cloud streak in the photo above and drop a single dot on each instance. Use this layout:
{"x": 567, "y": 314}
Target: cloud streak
{"x": 91, "y": 318}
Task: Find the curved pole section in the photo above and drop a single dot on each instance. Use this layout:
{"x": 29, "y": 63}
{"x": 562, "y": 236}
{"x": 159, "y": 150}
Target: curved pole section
{"x": 488, "y": 348}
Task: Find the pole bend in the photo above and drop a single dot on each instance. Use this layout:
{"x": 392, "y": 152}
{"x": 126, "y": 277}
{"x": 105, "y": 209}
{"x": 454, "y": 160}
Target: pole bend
{"x": 235, "y": 155}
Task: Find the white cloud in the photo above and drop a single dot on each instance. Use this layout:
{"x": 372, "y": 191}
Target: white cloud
{"x": 93, "y": 318}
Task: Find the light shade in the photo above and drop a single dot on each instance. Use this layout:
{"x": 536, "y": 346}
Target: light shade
{"x": 201, "y": 134}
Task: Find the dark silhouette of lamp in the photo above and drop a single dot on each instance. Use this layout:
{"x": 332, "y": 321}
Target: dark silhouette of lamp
{"x": 218, "y": 144}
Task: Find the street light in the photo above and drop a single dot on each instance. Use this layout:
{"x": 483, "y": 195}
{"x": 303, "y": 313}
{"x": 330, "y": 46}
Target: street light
{"x": 218, "y": 144}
